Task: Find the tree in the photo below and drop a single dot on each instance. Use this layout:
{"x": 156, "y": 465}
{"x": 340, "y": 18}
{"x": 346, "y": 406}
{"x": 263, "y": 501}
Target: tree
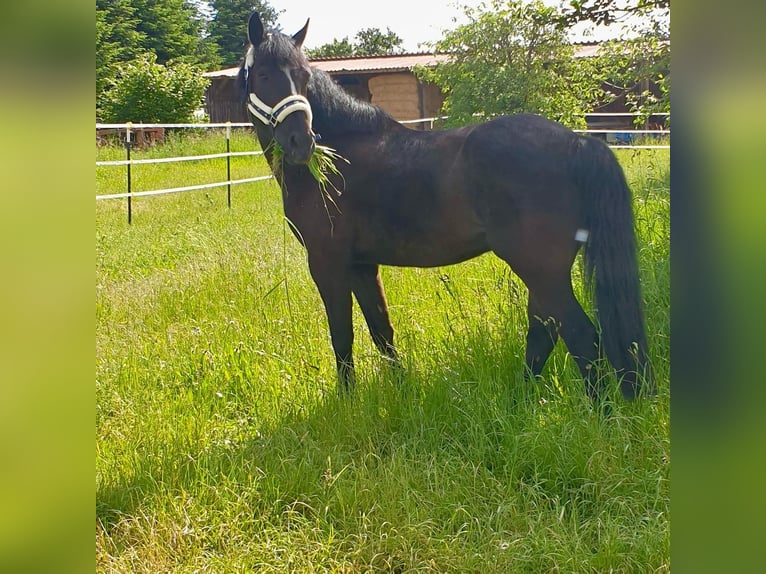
{"x": 373, "y": 42}
{"x": 335, "y": 49}
{"x": 106, "y": 51}
{"x": 513, "y": 57}
{"x": 228, "y": 28}
{"x": 607, "y": 12}
{"x": 368, "y": 42}
{"x": 640, "y": 57}
{"x": 117, "y": 39}
{"x": 147, "y": 91}
{"x": 634, "y": 65}
{"x": 171, "y": 29}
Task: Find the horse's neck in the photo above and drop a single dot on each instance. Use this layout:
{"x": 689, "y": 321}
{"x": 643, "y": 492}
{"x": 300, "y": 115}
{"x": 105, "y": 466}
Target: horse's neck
{"x": 336, "y": 112}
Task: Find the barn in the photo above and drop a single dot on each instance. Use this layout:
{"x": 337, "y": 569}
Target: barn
{"x": 386, "y": 81}
{"x": 389, "y": 82}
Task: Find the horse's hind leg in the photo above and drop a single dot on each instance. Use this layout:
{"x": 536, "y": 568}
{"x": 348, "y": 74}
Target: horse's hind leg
{"x": 545, "y": 267}
{"x": 368, "y": 290}
{"x": 542, "y": 335}
{"x": 558, "y": 305}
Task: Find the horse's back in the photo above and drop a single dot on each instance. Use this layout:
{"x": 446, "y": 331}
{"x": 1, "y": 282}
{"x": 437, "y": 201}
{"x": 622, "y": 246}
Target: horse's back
{"x": 523, "y": 139}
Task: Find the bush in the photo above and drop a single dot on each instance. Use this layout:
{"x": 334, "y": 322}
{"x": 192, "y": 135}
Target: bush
{"x": 145, "y": 91}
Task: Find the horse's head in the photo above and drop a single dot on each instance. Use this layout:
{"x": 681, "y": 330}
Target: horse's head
{"x": 275, "y": 77}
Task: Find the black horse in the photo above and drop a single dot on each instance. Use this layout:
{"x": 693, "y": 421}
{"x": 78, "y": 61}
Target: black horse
{"x": 522, "y": 186}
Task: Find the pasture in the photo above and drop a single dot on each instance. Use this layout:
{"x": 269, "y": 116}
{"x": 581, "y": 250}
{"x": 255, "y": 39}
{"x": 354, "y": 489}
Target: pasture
{"x": 221, "y": 444}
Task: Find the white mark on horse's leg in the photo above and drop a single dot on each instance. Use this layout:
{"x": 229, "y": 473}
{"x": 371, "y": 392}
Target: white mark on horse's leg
{"x": 582, "y": 235}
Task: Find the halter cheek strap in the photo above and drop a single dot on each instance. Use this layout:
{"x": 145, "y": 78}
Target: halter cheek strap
{"x": 273, "y": 116}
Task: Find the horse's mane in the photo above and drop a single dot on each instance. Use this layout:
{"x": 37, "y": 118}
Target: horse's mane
{"x": 335, "y": 111}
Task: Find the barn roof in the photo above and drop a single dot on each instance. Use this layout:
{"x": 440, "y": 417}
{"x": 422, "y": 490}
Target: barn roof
{"x": 389, "y": 63}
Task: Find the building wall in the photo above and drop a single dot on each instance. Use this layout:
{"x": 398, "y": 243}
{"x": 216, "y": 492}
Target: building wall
{"x": 354, "y": 84}
{"x": 222, "y": 102}
{"x": 397, "y": 94}
{"x": 432, "y": 100}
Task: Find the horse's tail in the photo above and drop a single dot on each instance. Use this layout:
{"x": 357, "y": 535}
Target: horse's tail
{"x": 611, "y": 262}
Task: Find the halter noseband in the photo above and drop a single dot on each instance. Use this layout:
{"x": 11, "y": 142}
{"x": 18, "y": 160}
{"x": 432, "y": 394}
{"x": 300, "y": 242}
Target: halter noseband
{"x": 273, "y": 116}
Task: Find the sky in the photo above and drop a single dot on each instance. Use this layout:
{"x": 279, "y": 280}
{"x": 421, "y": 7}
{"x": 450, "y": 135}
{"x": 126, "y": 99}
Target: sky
{"x": 415, "y": 21}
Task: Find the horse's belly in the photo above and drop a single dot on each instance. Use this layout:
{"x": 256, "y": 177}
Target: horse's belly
{"x": 425, "y": 252}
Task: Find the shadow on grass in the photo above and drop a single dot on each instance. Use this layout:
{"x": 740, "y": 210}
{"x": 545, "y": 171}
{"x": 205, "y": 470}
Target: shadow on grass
{"x": 341, "y": 457}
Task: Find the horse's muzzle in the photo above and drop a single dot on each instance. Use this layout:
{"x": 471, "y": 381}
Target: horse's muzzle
{"x": 299, "y": 147}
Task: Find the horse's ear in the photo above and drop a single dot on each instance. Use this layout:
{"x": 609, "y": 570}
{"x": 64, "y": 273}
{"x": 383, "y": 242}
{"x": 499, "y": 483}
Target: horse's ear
{"x": 255, "y": 29}
{"x": 300, "y": 35}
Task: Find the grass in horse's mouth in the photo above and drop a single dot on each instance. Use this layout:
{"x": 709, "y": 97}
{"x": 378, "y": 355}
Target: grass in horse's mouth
{"x": 321, "y": 165}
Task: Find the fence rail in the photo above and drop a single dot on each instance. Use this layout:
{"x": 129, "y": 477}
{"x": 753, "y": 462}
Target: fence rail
{"x": 181, "y": 189}
{"x": 138, "y": 126}
{"x": 129, "y": 128}
{"x": 128, "y": 162}
{"x": 177, "y": 159}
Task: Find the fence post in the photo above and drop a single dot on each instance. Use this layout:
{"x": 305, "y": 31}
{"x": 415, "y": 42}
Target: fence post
{"x": 228, "y": 164}
{"x": 127, "y": 149}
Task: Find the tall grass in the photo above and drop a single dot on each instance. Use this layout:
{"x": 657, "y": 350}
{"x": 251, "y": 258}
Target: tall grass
{"x": 221, "y": 444}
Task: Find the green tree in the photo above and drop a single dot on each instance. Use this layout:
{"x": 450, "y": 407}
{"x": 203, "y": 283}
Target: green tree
{"x": 373, "y": 42}
{"x": 610, "y": 11}
{"x": 106, "y": 51}
{"x": 117, "y": 39}
{"x": 171, "y": 29}
{"x": 639, "y": 69}
{"x": 513, "y": 57}
{"x": 149, "y": 92}
{"x": 637, "y": 63}
{"x": 228, "y": 27}
{"x": 367, "y": 42}
{"x": 335, "y": 49}
{"x": 119, "y": 20}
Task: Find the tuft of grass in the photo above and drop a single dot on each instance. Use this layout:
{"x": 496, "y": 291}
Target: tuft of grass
{"x": 321, "y": 166}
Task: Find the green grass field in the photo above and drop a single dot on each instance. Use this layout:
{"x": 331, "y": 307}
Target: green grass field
{"x": 221, "y": 445}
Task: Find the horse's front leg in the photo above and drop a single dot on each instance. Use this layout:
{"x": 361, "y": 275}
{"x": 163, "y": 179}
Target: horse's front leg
{"x": 333, "y": 282}
{"x": 368, "y": 290}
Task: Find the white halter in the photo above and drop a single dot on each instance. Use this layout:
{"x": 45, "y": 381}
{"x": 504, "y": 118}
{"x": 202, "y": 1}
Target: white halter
{"x": 274, "y": 116}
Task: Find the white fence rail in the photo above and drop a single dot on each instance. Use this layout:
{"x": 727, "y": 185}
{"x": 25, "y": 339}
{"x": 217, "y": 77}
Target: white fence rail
{"x": 130, "y": 128}
{"x": 137, "y": 126}
{"x": 177, "y": 159}
{"x": 182, "y": 189}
